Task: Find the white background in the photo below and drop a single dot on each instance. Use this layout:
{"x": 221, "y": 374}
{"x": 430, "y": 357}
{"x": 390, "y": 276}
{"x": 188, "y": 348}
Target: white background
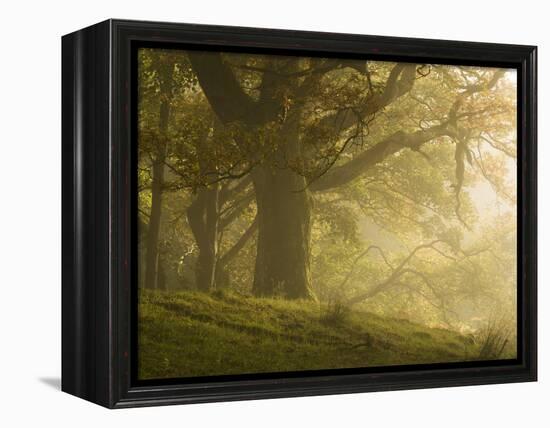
{"x": 30, "y": 214}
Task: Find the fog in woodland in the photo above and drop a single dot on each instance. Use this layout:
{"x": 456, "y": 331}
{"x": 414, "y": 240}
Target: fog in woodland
{"x": 303, "y": 213}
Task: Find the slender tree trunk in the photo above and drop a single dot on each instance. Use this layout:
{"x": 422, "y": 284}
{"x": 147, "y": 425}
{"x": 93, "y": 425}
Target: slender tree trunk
{"x": 161, "y": 273}
{"x": 151, "y": 263}
{"x": 157, "y": 171}
{"x": 222, "y": 275}
{"x": 203, "y": 216}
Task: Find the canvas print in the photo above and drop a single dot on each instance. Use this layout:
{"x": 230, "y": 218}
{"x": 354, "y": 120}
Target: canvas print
{"x": 305, "y": 213}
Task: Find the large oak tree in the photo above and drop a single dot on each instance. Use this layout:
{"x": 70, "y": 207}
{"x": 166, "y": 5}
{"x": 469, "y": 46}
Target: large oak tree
{"x": 304, "y": 126}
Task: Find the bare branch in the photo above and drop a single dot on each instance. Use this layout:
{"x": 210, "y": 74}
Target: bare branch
{"x": 397, "y": 272}
{"x": 359, "y": 257}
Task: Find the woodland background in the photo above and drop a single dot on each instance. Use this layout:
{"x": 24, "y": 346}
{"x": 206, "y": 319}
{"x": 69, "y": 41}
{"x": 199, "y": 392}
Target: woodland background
{"x": 364, "y": 186}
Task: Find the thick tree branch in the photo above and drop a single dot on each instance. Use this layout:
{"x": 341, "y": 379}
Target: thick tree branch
{"x": 399, "y": 82}
{"x": 395, "y": 87}
{"x": 340, "y": 175}
{"x": 225, "y": 94}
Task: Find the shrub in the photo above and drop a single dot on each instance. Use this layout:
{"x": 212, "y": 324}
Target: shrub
{"x": 335, "y": 312}
{"x": 494, "y": 339}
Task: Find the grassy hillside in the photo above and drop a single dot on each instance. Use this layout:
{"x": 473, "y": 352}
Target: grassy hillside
{"x": 194, "y": 334}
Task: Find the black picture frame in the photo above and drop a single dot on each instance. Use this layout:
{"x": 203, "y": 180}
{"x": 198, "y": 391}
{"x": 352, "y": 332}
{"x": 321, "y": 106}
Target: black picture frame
{"x": 99, "y": 225}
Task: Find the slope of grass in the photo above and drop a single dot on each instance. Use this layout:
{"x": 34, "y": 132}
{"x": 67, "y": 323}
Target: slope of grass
{"x": 185, "y": 334}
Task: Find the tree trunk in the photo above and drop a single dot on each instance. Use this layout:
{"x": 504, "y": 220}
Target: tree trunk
{"x": 284, "y": 234}
{"x": 161, "y": 273}
{"x": 222, "y": 275}
{"x": 283, "y": 202}
{"x": 157, "y": 170}
{"x": 203, "y": 217}
{"x": 153, "y": 230}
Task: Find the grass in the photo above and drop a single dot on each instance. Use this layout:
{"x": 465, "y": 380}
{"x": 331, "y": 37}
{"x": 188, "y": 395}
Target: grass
{"x": 187, "y": 334}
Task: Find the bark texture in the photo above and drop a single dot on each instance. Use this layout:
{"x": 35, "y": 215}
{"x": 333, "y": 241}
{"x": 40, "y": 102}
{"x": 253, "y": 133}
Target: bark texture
{"x": 284, "y": 235}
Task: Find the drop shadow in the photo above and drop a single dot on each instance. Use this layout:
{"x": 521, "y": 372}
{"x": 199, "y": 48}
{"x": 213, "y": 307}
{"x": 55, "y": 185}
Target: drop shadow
{"x": 52, "y": 382}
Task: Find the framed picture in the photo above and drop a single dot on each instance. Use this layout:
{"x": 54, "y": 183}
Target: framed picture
{"x": 253, "y": 213}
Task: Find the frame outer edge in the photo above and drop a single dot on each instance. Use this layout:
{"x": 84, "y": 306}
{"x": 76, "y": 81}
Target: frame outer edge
{"x": 70, "y": 379}
{"x": 106, "y": 368}
{"x": 532, "y": 188}
{"x": 85, "y": 220}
